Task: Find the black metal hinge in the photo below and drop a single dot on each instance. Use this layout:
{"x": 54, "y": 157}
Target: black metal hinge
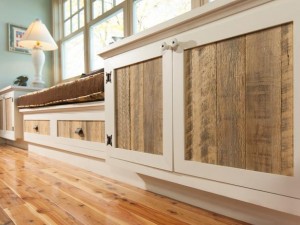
{"x": 108, "y": 77}
{"x": 13, "y": 128}
{"x": 109, "y": 140}
{"x": 12, "y": 99}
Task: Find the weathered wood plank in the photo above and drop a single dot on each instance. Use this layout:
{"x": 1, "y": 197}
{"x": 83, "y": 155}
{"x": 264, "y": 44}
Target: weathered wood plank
{"x": 287, "y": 93}
{"x": 43, "y": 126}
{"x": 123, "y": 108}
{"x": 231, "y": 102}
{"x": 137, "y": 107}
{"x": 263, "y": 100}
{"x": 200, "y": 104}
{"x": 153, "y": 108}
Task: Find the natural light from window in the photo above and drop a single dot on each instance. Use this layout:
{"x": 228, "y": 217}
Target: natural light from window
{"x": 104, "y": 33}
{"x": 73, "y": 57}
{"x": 147, "y": 13}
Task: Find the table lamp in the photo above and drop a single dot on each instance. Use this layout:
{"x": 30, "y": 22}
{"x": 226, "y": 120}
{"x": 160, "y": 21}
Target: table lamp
{"x": 38, "y": 38}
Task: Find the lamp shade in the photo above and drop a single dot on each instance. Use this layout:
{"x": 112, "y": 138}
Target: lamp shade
{"x": 38, "y": 36}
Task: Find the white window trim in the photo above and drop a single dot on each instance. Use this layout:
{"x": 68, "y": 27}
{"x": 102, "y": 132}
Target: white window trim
{"x": 58, "y": 32}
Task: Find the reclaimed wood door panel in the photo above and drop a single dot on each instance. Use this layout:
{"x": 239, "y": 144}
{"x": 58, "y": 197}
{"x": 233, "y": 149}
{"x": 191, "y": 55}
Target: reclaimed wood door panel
{"x": 239, "y": 102}
{"x": 123, "y": 108}
{"x": 9, "y": 113}
{"x": 91, "y": 130}
{"x": 139, "y": 107}
{"x": 201, "y": 104}
{"x": 263, "y": 100}
{"x": 230, "y": 102}
{"x": 287, "y": 107}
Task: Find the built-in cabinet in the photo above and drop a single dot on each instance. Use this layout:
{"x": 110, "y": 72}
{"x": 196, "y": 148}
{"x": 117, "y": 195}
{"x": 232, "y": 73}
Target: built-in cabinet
{"x": 11, "y": 122}
{"x": 212, "y": 105}
{"x": 74, "y": 128}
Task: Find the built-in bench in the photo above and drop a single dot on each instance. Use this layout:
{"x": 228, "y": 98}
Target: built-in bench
{"x": 67, "y": 117}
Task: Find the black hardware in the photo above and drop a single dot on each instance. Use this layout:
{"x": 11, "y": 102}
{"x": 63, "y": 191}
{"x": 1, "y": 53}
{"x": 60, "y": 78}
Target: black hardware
{"x": 108, "y": 77}
{"x": 79, "y": 131}
{"x": 109, "y": 140}
{"x": 36, "y": 128}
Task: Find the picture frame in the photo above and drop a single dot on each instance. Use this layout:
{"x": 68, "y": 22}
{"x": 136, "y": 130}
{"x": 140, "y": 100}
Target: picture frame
{"x": 15, "y": 34}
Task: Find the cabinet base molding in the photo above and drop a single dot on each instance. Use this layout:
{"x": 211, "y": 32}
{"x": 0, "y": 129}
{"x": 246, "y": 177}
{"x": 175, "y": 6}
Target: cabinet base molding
{"x": 230, "y": 207}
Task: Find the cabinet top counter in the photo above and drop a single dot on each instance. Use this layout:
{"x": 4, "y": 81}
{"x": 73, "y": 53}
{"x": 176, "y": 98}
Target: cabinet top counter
{"x": 17, "y": 88}
{"x": 197, "y": 17}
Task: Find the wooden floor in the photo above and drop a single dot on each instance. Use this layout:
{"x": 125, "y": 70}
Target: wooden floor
{"x": 37, "y": 190}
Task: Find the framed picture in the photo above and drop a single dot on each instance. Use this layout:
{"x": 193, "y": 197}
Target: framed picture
{"x": 15, "y": 34}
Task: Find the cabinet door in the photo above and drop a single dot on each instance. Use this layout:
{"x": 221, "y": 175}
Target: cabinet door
{"x": 138, "y": 106}
{"x": 236, "y": 105}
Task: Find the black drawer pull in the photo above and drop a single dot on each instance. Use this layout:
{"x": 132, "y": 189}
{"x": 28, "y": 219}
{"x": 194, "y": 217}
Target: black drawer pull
{"x": 79, "y": 131}
{"x": 36, "y": 128}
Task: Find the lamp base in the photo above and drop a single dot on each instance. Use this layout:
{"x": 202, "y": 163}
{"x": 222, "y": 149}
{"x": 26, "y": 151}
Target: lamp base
{"x": 37, "y": 83}
{"x": 38, "y": 59}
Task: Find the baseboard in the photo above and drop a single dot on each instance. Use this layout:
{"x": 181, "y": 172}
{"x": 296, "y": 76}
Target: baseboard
{"x": 232, "y": 208}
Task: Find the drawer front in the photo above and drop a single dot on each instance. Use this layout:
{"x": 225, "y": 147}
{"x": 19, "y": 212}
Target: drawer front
{"x": 82, "y": 130}
{"x": 37, "y": 126}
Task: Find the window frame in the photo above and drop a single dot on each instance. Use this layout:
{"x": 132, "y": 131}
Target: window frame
{"x": 58, "y": 30}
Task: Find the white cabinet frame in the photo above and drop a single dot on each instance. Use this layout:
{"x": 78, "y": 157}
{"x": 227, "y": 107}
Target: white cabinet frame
{"x": 164, "y": 161}
{"x": 235, "y": 25}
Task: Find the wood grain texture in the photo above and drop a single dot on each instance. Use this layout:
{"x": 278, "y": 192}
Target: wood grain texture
{"x": 9, "y": 113}
{"x": 56, "y": 193}
{"x": 287, "y": 105}
{"x": 250, "y": 109}
{"x": 123, "y": 108}
{"x": 200, "y": 104}
{"x": 43, "y": 126}
{"x": 231, "y": 102}
{"x": 91, "y": 130}
{"x": 4, "y": 219}
{"x": 1, "y": 114}
{"x": 263, "y": 100}
{"x": 137, "y": 107}
{"x": 153, "y": 108}
{"x": 22, "y": 214}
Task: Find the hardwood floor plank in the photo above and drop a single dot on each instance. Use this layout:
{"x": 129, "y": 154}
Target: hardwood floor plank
{"x": 57, "y": 193}
{"x": 8, "y": 197}
{"x": 21, "y": 214}
{"x": 4, "y": 219}
{"x": 91, "y": 177}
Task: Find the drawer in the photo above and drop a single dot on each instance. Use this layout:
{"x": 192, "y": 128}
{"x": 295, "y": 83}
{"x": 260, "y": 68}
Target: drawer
{"x": 37, "y": 126}
{"x": 82, "y": 130}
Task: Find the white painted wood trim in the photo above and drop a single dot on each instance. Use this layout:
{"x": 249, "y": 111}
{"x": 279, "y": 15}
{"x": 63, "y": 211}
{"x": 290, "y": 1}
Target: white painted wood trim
{"x": 194, "y": 18}
{"x": 68, "y": 107}
{"x": 260, "y": 198}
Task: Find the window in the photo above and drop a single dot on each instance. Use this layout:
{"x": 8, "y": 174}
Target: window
{"x": 104, "y": 33}
{"x": 90, "y": 25}
{"x": 102, "y": 6}
{"x": 73, "y": 56}
{"x": 73, "y": 15}
{"x": 147, "y": 13}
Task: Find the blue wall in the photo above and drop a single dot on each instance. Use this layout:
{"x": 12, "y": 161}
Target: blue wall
{"x": 22, "y": 13}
